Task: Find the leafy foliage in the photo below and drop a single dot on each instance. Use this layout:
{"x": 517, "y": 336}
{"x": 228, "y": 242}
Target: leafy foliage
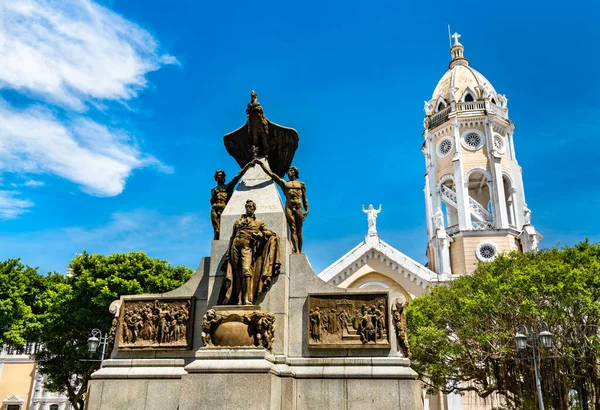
{"x": 21, "y": 302}
{"x": 79, "y": 303}
{"x": 462, "y": 335}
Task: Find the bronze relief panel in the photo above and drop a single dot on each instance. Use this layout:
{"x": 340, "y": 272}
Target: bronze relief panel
{"x": 348, "y": 320}
{"x": 156, "y": 323}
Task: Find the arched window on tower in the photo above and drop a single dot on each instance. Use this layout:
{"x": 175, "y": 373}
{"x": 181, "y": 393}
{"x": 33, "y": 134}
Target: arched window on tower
{"x": 440, "y": 106}
{"x": 448, "y": 204}
{"x": 510, "y": 204}
{"x": 54, "y": 407}
{"x": 469, "y": 98}
{"x": 494, "y": 101}
{"x": 480, "y": 202}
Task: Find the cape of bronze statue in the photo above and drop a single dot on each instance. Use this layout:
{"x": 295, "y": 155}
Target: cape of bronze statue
{"x": 295, "y": 195}
{"x": 220, "y": 195}
{"x": 278, "y": 144}
{"x": 252, "y": 260}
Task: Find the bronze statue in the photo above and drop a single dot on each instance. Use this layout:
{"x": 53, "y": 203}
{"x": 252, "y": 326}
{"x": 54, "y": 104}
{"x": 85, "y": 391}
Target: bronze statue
{"x": 258, "y": 126}
{"x": 295, "y": 195}
{"x": 252, "y": 259}
{"x": 220, "y": 195}
{"x": 399, "y": 314}
{"x": 276, "y": 143}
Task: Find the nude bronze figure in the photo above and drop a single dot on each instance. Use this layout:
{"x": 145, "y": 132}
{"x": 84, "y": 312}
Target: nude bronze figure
{"x": 295, "y": 195}
{"x": 220, "y": 195}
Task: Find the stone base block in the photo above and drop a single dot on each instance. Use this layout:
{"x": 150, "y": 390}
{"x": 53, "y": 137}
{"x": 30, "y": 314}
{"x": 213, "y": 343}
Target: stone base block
{"x": 133, "y": 394}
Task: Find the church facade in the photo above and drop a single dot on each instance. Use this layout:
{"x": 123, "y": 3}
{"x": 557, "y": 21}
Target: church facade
{"x": 474, "y": 200}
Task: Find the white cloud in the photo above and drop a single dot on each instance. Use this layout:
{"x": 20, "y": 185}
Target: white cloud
{"x": 33, "y": 183}
{"x": 10, "y": 206}
{"x": 73, "y": 54}
{"x": 73, "y": 51}
{"x": 93, "y": 156}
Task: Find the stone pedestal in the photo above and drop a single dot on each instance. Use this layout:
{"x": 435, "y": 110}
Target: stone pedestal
{"x": 295, "y": 372}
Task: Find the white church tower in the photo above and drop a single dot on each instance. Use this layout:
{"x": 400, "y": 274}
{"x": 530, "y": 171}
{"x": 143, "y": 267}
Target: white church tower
{"x": 475, "y": 201}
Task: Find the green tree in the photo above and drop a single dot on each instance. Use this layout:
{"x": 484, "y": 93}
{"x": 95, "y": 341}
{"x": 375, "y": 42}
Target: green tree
{"x": 462, "y": 335}
{"x": 79, "y": 303}
{"x": 21, "y": 302}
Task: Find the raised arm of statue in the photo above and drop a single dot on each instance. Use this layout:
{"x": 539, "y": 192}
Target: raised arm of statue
{"x": 274, "y": 177}
{"x": 231, "y": 185}
{"x": 378, "y": 210}
{"x": 364, "y": 210}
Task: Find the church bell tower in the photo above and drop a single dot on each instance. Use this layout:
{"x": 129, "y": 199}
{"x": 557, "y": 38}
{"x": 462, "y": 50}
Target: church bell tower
{"x": 475, "y": 201}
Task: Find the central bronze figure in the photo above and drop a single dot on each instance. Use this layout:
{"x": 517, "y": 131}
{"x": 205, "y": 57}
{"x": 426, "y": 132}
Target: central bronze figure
{"x": 251, "y": 261}
{"x": 260, "y": 137}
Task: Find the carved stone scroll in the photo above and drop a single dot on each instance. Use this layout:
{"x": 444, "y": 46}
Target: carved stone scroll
{"x": 156, "y": 324}
{"x": 358, "y": 320}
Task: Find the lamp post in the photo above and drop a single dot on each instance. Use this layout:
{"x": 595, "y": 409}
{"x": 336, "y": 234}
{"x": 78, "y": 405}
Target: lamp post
{"x": 94, "y": 341}
{"x": 545, "y": 339}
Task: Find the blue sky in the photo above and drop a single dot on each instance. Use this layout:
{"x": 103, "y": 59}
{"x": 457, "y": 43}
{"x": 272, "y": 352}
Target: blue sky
{"x": 112, "y": 115}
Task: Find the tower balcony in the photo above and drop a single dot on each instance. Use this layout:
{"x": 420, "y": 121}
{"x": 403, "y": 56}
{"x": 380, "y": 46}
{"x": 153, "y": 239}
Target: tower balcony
{"x": 482, "y": 107}
{"x": 475, "y": 226}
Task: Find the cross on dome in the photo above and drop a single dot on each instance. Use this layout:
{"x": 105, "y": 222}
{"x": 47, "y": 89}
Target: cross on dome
{"x": 457, "y": 51}
{"x": 456, "y": 36}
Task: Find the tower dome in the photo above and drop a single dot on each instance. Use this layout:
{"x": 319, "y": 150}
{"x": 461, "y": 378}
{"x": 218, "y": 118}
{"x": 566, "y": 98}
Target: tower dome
{"x": 460, "y": 80}
{"x": 461, "y": 83}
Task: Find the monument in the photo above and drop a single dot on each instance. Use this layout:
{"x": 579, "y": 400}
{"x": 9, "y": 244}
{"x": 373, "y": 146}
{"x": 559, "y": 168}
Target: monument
{"x": 255, "y": 328}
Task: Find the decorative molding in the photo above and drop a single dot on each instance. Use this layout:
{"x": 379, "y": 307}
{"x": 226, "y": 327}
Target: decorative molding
{"x": 437, "y": 104}
{"x": 444, "y": 178}
{"x": 468, "y": 91}
{"x": 485, "y": 172}
{"x": 378, "y": 284}
{"x": 471, "y": 122}
{"x": 442, "y": 132}
{"x": 14, "y": 399}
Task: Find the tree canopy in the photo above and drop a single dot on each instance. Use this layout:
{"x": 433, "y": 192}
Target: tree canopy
{"x": 462, "y": 334}
{"x": 21, "y": 301}
{"x": 60, "y": 311}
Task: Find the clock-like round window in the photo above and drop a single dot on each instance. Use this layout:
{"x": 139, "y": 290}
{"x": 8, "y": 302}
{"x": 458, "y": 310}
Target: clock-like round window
{"x": 499, "y": 144}
{"x": 472, "y": 140}
{"x": 444, "y": 147}
{"x": 486, "y": 252}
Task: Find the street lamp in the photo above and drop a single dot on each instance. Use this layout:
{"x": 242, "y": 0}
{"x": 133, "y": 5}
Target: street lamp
{"x": 545, "y": 339}
{"x": 94, "y": 341}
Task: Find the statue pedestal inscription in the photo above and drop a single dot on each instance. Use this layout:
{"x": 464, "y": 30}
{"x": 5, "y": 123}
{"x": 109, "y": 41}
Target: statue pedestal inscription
{"x": 255, "y": 327}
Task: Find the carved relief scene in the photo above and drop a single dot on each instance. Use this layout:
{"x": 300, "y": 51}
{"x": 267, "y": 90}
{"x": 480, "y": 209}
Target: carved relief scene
{"x": 155, "y": 324}
{"x": 348, "y": 320}
{"x": 246, "y": 327}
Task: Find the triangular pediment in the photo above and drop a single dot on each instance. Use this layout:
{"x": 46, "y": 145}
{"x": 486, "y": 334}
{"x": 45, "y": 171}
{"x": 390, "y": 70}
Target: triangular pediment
{"x": 13, "y": 399}
{"x": 404, "y": 269}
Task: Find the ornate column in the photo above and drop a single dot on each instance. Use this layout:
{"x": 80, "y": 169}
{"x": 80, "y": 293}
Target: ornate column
{"x": 462, "y": 195}
{"x": 498, "y": 197}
